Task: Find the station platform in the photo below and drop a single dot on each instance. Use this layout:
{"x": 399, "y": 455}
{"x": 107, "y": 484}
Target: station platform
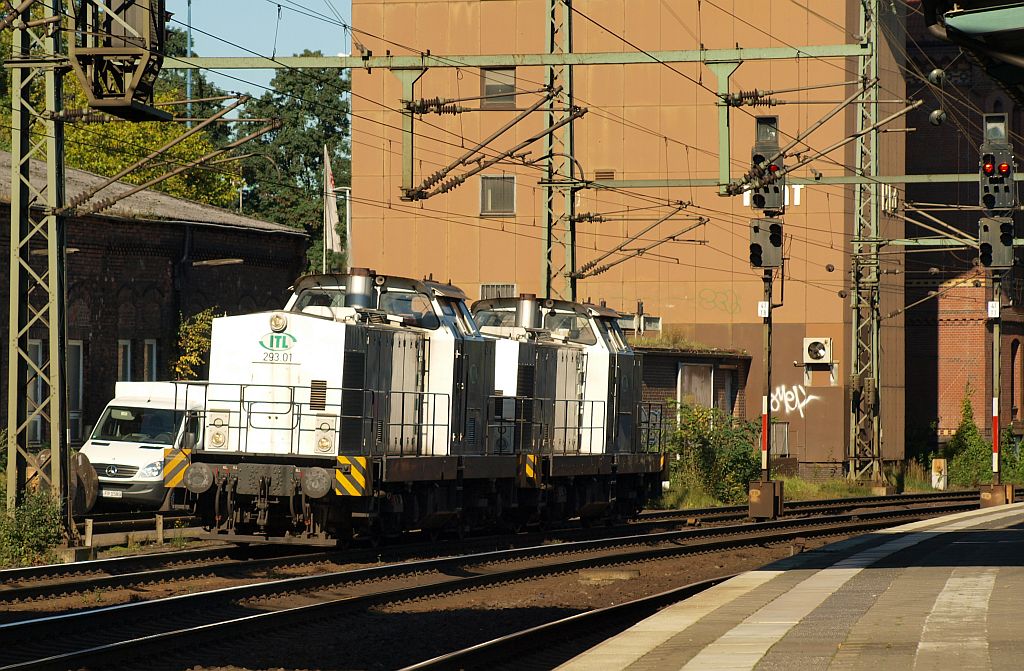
{"x": 943, "y": 593}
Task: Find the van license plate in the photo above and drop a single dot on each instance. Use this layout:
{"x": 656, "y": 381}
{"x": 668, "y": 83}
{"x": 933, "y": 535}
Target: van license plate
{"x": 111, "y": 493}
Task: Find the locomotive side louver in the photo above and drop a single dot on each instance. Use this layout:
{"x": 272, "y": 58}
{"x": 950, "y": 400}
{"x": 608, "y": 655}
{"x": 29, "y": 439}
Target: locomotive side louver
{"x": 318, "y": 394}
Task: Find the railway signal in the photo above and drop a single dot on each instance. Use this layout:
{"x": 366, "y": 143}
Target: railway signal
{"x": 997, "y": 190}
{"x": 995, "y": 242}
{"x": 766, "y": 243}
{"x": 768, "y": 184}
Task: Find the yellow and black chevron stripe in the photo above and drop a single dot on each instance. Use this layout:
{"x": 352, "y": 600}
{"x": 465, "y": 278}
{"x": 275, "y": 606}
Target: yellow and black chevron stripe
{"x": 176, "y": 460}
{"x": 352, "y": 477}
{"x": 528, "y": 472}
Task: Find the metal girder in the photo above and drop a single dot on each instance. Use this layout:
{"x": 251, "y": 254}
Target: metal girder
{"x": 864, "y": 448}
{"x": 559, "y": 147}
{"x": 36, "y": 382}
{"x": 561, "y": 58}
{"x": 940, "y": 178}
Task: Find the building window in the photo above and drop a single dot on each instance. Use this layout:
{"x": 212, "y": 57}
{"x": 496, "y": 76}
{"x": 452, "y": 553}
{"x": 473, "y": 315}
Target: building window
{"x": 497, "y": 291}
{"x": 36, "y": 391}
{"x": 498, "y": 87}
{"x": 75, "y": 378}
{"x": 1017, "y": 403}
{"x": 124, "y": 360}
{"x": 780, "y": 439}
{"x": 498, "y": 195}
{"x": 149, "y": 356}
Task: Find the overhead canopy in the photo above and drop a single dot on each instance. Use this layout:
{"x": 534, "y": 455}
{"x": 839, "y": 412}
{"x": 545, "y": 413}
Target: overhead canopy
{"x": 992, "y": 31}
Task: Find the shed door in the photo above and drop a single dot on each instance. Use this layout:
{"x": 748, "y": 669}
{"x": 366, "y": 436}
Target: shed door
{"x": 695, "y": 385}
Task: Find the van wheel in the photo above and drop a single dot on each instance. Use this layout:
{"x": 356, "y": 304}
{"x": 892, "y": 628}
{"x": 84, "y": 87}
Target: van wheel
{"x": 165, "y": 505}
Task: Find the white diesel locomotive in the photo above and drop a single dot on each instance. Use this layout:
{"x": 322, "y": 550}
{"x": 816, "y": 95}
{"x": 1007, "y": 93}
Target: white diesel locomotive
{"x": 373, "y": 405}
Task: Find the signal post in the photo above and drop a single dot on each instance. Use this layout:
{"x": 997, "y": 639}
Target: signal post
{"x": 768, "y": 189}
{"x": 997, "y": 195}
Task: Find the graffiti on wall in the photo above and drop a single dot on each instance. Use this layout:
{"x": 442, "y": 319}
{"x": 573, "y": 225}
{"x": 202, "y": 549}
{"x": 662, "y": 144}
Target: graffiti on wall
{"x": 726, "y": 300}
{"x": 793, "y": 398}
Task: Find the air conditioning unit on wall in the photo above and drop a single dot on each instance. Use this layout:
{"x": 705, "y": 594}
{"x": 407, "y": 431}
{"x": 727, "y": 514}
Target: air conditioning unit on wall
{"x": 818, "y": 351}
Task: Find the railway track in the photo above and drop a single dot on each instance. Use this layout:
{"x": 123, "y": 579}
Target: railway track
{"x": 110, "y": 636}
{"x": 53, "y": 581}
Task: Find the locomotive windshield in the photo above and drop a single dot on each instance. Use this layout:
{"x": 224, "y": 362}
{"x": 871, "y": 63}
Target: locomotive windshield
{"x": 332, "y": 297}
{"x": 413, "y": 306}
{"x": 571, "y": 326}
{"x": 502, "y": 318}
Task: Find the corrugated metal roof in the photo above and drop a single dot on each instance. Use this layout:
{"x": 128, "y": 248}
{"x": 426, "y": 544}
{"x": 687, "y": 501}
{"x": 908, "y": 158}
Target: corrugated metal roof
{"x": 144, "y": 205}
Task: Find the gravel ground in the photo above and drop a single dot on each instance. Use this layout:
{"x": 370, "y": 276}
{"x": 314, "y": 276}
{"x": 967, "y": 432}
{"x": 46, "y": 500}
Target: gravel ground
{"x": 402, "y": 634}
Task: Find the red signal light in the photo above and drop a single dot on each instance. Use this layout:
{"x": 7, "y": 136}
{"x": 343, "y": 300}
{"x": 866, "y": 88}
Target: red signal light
{"x": 1004, "y": 168}
{"x": 773, "y": 168}
{"x": 989, "y": 168}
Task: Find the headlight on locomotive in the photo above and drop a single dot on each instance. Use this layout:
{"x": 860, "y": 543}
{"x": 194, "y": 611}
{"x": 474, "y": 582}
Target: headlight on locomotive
{"x": 217, "y": 429}
{"x": 324, "y": 436}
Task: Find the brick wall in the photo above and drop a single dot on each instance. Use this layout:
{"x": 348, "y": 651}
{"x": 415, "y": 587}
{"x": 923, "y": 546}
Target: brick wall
{"x": 661, "y": 370}
{"x": 131, "y": 280}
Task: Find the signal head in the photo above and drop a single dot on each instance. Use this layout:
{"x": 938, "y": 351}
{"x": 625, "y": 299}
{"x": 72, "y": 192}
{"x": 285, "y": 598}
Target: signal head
{"x": 985, "y": 254}
{"x": 755, "y": 254}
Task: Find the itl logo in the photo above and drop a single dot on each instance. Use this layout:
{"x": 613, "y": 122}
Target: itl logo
{"x": 794, "y": 201}
{"x": 277, "y": 342}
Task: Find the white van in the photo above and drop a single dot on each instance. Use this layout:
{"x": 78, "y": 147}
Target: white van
{"x": 127, "y": 446}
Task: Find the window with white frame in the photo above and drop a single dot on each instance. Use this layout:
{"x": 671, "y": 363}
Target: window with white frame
{"x": 149, "y": 361}
{"x": 124, "y": 360}
{"x": 75, "y": 367}
{"x": 498, "y": 195}
{"x": 497, "y": 291}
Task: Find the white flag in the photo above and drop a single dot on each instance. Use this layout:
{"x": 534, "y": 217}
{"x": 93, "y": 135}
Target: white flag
{"x": 332, "y": 240}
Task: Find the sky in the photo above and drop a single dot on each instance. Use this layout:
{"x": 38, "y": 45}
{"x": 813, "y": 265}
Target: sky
{"x": 253, "y": 26}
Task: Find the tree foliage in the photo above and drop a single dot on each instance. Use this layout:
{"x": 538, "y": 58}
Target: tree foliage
{"x": 714, "y": 452}
{"x": 107, "y": 148}
{"x": 193, "y": 344}
{"x": 285, "y": 175}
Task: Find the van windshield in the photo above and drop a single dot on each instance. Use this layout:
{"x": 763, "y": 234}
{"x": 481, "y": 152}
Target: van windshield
{"x": 138, "y": 425}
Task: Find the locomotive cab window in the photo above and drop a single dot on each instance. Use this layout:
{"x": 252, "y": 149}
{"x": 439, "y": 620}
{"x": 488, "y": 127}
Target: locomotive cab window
{"x": 571, "y": 326}
{"x": 414, "y": 307}
{"x": 612, "y": 335}
{"x": 458, "y": 316}
{"x": 333, "y": 297}
{"x": 501, "y": 318}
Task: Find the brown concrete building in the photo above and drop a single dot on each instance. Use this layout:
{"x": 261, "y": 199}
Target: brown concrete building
{"x": 134, "y": 269}
{"x": 644, "y": 121}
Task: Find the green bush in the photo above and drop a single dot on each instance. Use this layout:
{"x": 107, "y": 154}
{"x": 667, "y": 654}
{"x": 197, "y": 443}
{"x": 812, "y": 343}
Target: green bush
{"x": 970, "y": 455}
{"x": 713, "y": 453}
{"x": 28, "y": 536}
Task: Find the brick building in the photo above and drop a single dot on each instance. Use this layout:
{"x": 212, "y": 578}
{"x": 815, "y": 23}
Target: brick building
{"x": 949, "y": 336}
{"x": 133, "y": 269}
